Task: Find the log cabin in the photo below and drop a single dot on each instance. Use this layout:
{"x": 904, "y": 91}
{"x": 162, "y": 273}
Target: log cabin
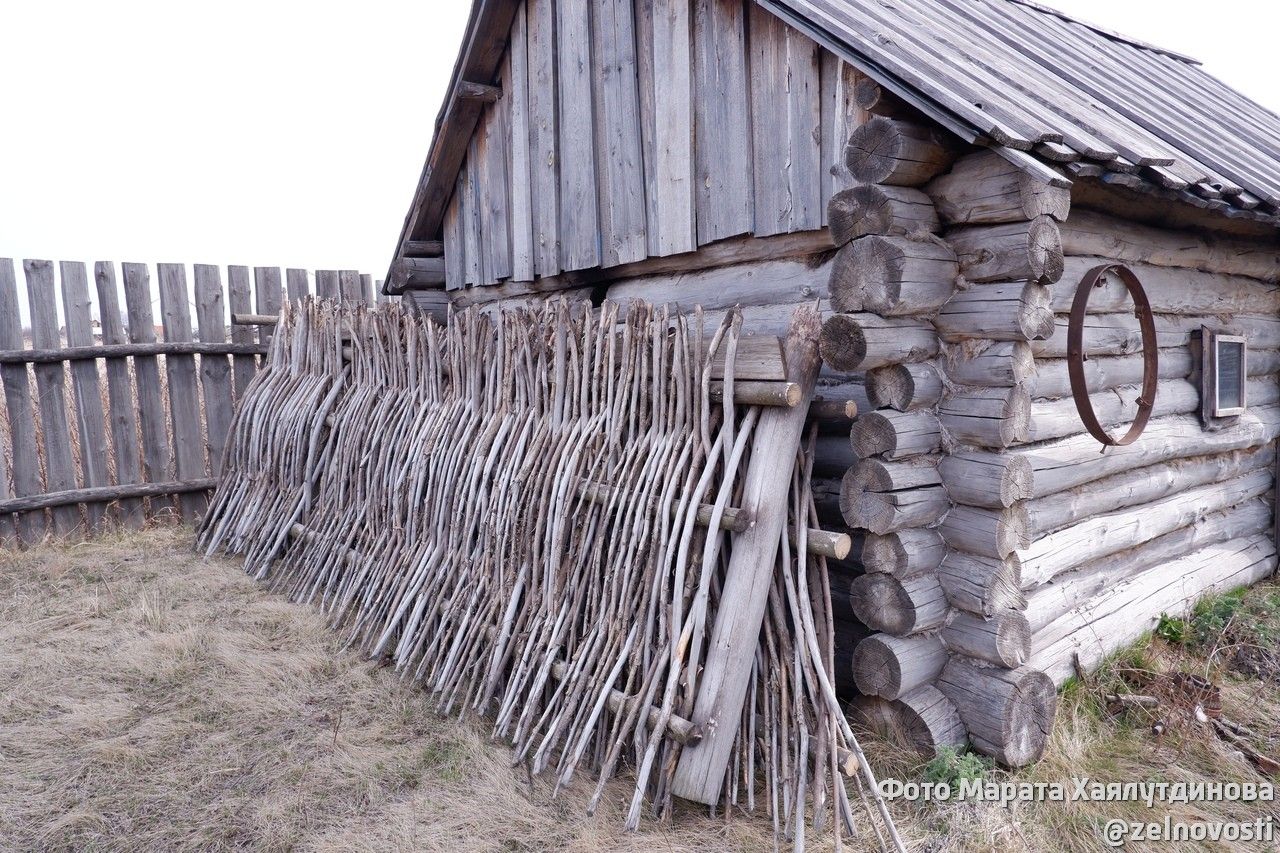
{"x": 939, "y": 177}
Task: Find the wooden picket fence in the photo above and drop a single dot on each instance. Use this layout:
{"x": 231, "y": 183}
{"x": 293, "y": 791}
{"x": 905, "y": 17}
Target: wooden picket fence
{"x": 138, "y": 432}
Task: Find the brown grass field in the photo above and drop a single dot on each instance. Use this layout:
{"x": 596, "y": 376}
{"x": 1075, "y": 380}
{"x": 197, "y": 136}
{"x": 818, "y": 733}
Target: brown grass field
{"x": 152, "y": 700}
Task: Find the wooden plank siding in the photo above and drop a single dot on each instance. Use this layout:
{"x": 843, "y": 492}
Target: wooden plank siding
{"x": 635, "y": 129}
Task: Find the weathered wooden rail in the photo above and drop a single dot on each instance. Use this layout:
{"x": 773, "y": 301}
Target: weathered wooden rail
{"x": 127, "y": 418}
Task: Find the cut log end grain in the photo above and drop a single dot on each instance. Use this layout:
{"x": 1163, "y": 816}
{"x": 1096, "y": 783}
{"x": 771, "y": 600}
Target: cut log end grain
{"x": 898, "y": 606}
{"x": 987, "y": 479}
{"x": 986, "y": 531}
{"x": 904, "y": 387}
{"x": 1020, "y": 251}
{"x": 988, "y": 417}
{"x": 923, "y": 720}
{"x": 1008, "y": 712}
{"x": 851, "y": 342}
{"x": 872, "y": 209}
{"x": 887, "y": 151}
{"x": 984, "y": 187}
{"x": 982, "y": 586}
{"x": 1003, "y": 640}
{"x": 889, "y": 666}
{"x": 892, "y": 276}
{"x": 1001, "y": 311}
{"x": 904, "y": 553}
{"x": 896, "y": 435}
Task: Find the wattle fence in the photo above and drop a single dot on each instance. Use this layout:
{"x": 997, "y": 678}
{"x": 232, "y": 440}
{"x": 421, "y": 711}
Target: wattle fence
{"x": 112, "y": 418}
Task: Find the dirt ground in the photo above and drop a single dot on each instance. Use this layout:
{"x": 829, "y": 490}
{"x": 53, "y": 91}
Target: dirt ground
{"x": 151, "y": 700}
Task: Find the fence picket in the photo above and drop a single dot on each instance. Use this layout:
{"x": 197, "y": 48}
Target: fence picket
{"x": 240, "y": 295}
{"x": 296, "y": 284}
{"x": 184, "y": 394}
{"x": 124, "y": 420}
{"x": 366, "y": 290}
{"x": 266, "y": 283}
{"x": 349, "y": 285}
{"x": 215, "y": 370}
{"x": 327, "y": 284}
{"x": 51, "y": 383}
{"x": 87, "y": 391}
{"x": 17, "y": 396}
{"x": 142, "y": 330}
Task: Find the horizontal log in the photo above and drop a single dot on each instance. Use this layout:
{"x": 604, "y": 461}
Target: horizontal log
{"x": 1059, "y": 418}
{"x": 898, "y": 606}
{"x": 863, "y": 342}
{"x": 1090, "y": 633}
{"x": 982, "y": 478}
{"x": 871, "y": 209}
{"x": 482, "y": 92}
{"x": 924, "y": 720}
{"x": 987, "y": 532}
{"x": 1098, "y": 235}
{"x": 103, "y": 494}
{"x": 1088, "y": 540}
{"x": 882, "y": 475}
{"x": 899, "y": 153}
{"x": 47, "y": 356}
{"x": 1000, "y": 311}
{"x": 986, "y": 188}
{"x": 255, "y": 319}
{"x": 1118, "y": 334}
{"x": 893, "y": 276}
{"x": 895, "y": 435}
{"x": 904, "y": 387}
{"x": 750, "y": 286}
{"x": 987, "y": 417}
{"x": 1008, "y": 712}
{"x": 1170, "y": 290}
{"x": 408, "y": 273}
{"x": 751, "y": 393}
{"x": 1049, "y": 602}
{"x": 1018, "y": 251}
{"x": 1052, "y": 381}
{"x": 1003, "y": 640}
{"x": 982, "y": 585}
{"x": 679, "y": 729}
{"x": 904, "y": 553}
{"x": 1131, "y": 488}
{"x": 989, "y": 364}
{"x": 888, "y": 666}
{"x": 833, "y": 456}
{"x": 423, "y": 248}
{"x": 841, "y": 394}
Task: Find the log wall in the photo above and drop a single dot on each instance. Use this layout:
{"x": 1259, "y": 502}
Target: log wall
{"x": 628, "y": 130}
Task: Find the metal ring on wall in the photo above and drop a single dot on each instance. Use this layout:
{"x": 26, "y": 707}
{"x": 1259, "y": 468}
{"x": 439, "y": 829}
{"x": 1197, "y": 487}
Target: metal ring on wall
{"x": 1076, "y": 355}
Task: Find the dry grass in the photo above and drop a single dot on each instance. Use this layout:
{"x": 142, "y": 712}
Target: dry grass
{"x": 154, "y": 701}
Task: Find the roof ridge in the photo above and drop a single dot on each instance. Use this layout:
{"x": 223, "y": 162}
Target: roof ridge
{"x": 1111, "y": 34}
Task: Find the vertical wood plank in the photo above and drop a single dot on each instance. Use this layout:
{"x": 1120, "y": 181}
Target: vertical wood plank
{"x": 383, "y": 299}
{"x": 366, "y": 290}
{"x": 516, "y": 93}
{"x": 327, "y": 284}
{"x": 840, "y": 117}
{"x": 215, "y": 370}
{"x": 19, "y": 406}
{"x": 471, "y": 217}
{"x": 296, "y": 285}
{"x": 86, "y": 390}
{"x": 786, "y": 118}
{"x": 184, "y": 396}
{"x": 349, "y": 286}
{"x": 673, "y": 160}
{"x": 649, "y": 141}
{"x": 240, "y": 295}
{"x": 8, "y": 523}
{"x": 455, "y": 273}
{"x": 579, "y": 208}
{"x": 123, "y": 420}
{"x": 155, "y": 433}
{"x": 267, "y": 294}
{"x": 723, "y": 144}
{"x": 543, "y": 137}
{"x": 59, "y": 464}
{"x": 495, "y": 211}
{"x": 620, "y": 162}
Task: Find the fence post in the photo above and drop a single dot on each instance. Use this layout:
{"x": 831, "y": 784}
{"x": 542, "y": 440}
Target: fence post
{"x": 124, "y": 420}
{"x": 142, "y": 330}
{"x": 87, "y": 390}
{"x": 215, "y": 371}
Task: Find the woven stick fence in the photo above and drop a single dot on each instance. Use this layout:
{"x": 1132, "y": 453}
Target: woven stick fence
{"x": 525, "y": 514}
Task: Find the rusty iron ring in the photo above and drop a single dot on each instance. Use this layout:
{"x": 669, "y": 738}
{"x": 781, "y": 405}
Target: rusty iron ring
{"x": 1076, "y": 355}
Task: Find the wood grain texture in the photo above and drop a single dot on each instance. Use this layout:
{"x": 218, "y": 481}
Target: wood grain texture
{"x": 515, "y": 77}
{"x": 239, "y": 295}
{"x": 455, "y": 250}
{"x": 267, "y": 297}
{"x": 543, "y": 136}
{"x": 672, "y": 218}
{"x": 619, "y": 162}
{"x": 123, "y": 418}
{"x": 579, "y": 208}
{"x": 184, "y": 394}
{"x": 723, "y": 145}
{"x": 327, "y": 285}
{"x": 60, "y": 466}
{"x": 492, "y": 142}
{"x": 840, "y": 115}
{"x": 90, "y": 422}
{"x": 297, "y": 288}
{"x": 19, "y": 406}
{"x": 155, "y": 432}
{"x": 349, "y": 286}
{"x": 215, "y": 370}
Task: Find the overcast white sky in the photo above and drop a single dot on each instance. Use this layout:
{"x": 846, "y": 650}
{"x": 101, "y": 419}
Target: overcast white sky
{"x": 292, "y": 133}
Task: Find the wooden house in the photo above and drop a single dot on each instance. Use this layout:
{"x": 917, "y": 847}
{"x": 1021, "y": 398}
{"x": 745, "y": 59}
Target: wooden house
{"x": 941, "y": 175}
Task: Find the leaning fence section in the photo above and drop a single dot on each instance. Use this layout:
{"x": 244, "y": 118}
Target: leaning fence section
{"x": 119, "y": 391}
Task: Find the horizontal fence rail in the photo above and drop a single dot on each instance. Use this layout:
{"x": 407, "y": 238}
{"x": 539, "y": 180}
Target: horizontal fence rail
{"x": 118, "y": 393}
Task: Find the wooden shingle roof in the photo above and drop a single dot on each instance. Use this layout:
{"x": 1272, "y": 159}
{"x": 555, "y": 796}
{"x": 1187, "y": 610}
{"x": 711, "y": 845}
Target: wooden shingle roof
{"x": 1047, "y": 90}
